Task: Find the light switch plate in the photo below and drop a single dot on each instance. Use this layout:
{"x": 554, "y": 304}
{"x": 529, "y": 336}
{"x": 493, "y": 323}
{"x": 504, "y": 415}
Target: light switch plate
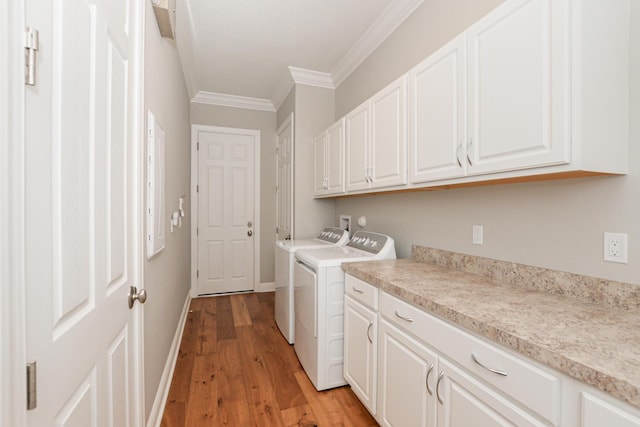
{"x": 478, "y": 234}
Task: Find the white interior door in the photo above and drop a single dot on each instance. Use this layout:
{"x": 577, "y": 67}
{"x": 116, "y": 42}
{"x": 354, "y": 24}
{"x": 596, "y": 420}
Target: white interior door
{"x": 226, "y": 212}
{"x": 82, "y": 234}
{"x": 284, "y": 229}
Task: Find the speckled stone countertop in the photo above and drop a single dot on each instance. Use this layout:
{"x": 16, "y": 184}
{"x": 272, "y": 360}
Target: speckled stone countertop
{"x": 584, "y": 327}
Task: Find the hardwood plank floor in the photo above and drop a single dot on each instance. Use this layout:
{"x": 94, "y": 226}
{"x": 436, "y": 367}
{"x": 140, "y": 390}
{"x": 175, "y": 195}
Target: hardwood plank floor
{"x": 234, "y": 368}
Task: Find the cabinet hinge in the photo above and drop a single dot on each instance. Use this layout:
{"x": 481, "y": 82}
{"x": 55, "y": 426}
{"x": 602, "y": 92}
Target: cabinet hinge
{"x": 31, "y": 386}
{"x": 30, "y": 48}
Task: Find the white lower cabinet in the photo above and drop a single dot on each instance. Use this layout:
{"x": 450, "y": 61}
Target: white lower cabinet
{"x": 407, "y": 378}
{"x": 410, "y": 368}
{"x": 360, "y": 358}
{"x": 465, "y": 401}
{"x": 597, "y": 410}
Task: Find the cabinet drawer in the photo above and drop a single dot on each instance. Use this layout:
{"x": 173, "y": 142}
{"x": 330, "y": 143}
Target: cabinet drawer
{"x": 361, "y": 291}
{"x": 534, "y": 386}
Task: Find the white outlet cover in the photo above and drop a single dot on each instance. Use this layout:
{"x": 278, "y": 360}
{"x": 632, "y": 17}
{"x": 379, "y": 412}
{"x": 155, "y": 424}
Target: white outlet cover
{"x": 616, "y": 247}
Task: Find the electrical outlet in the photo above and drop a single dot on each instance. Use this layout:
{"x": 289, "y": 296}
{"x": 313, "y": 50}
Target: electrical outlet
{"x": 615, "y": 247}
{"x": 478, "y": 234}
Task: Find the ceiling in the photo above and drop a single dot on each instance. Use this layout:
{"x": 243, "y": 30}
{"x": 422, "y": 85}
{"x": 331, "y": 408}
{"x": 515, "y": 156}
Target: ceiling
{"x": 250, "y": 52}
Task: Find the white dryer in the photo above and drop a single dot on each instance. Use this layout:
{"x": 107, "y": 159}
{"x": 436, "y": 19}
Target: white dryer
{"x": 285, "y": 253}
{"x": 319, "y": 300}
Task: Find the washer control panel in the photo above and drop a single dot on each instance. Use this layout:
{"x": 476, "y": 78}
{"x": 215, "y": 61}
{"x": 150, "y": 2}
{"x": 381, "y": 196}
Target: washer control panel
{"x": 331, "y": 234}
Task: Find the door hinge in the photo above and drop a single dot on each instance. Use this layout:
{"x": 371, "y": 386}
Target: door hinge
{"x": 31, "y": 386}
{"x": 197, "y": 273}
{"x": 277, "y": 150}
{"x": 277, "y": 230}
{"x": 197, "y": 231}
{"x": 197, "y": 188}
{"x": 197, "y": 145}
{"x": 30, "y": 48}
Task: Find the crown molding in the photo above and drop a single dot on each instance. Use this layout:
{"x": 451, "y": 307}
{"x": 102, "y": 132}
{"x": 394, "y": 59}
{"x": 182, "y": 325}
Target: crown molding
{"x": 234, "y": 101}
{"x": 311, "y": 78}
{"x": 390, "y": 19}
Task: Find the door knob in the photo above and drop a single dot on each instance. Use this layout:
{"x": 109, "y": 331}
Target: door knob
{"x": 250, "y": 224}
{"x": 135, "y": 295}
{"x": 249, "y": 233}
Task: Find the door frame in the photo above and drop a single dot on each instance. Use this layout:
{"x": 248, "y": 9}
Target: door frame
{"x": 12, "y": 288}
{"x": 13, "y": 310}
{"x": 195, "y": 128}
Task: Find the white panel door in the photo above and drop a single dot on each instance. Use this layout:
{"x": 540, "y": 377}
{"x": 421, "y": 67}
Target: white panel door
{"x": 82, "y": 215}
{"x": 518, "y": 87}
{"x": 284, "y": 229}
{"x": 437, "y": 138}
{"x": 225, "y": 212}
{"x": 388, "y": 156}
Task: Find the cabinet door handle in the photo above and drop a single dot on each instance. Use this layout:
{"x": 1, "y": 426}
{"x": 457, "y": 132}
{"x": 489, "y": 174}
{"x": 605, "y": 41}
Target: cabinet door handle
{"x": 440, "y": 377}
{"x": 469, "y": 150}
{"x": 495, "y": 371}
{"x": 429, "y": 370}
{"x": 458, "y": 153}
{"x": 358, "y": 290}
{"x": 407, "y": 319}
{"x": 369, "y": 329}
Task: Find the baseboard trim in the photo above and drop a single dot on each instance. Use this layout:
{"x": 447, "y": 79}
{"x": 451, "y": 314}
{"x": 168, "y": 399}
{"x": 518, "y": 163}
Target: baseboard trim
{"x": 155, "y": 417}
{"x": 266, "y": 287}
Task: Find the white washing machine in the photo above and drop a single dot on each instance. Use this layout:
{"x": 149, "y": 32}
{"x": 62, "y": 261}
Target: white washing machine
{"x": 319, "y": 301}
{"x": 285, "y": 253}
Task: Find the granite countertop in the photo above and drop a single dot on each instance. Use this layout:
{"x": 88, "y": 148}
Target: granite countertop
{"x": 598, "y": 344}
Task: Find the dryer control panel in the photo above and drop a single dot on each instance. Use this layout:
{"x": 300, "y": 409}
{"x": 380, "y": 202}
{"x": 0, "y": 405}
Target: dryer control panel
{"x": 331, "y": 234}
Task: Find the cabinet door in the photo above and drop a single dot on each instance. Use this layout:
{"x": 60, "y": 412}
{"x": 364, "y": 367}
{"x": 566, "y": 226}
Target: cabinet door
{"x": 467, "y": 402}
{"x": 356, "y": 125}
{"x": 319, "y": 164}
{"x": 599, "y": 411}
{"x": 407, "y": 379}
{"x": 335, "y": 158}
{"x": 388, "y": 159}
{"x": 517, "y": 87}
{"x": 437, "y": 140}
{"x": 360, "y": 351}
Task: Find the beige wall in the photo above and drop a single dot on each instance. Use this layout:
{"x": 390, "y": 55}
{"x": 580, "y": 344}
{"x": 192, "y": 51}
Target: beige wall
{"x": 313, "y": 112}
{"x": 555, "y": 224}
{"x": 265, "y": 122}
{"x": 167, "y": 275}
{"x": 433, "y": 24}
{"x": 287, "y": 106}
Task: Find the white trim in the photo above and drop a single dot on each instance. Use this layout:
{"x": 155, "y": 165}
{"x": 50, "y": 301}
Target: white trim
{"x": 194, "y": 198}
{"x": 137, "y": 133}
{"x": 234, "y": 101}
{"x": 388, "y": 21}
{"x": 160, "y": 401}
{"x": 12, "y": 285}
{"x": 311, "y": 78}
{"x": 266, "y": 287}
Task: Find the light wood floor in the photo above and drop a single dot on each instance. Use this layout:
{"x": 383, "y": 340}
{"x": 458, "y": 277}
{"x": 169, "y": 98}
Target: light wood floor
{"x": 235, "y": 368}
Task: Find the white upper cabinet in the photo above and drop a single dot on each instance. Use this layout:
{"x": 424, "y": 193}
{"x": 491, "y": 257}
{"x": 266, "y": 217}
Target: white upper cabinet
{"x": 517, "y": 93}
{"x": 376, "y": 140}
{"x": 328, "y": 165}
{"x": 437, "y": 115}
{"x": 357, "y": 132}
